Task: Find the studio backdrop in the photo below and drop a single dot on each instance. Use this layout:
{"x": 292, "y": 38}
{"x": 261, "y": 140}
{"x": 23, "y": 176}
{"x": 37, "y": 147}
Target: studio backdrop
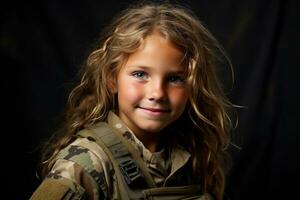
{"x": 44, "y": 43}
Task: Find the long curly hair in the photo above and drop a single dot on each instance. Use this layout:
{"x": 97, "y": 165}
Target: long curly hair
{"x": 207, "y": 112}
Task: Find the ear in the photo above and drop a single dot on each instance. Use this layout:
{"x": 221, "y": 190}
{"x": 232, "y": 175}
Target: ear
{"x": 112, "y": 85}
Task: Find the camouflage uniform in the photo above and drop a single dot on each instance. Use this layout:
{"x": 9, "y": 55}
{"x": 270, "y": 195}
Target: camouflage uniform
{"x": 83, "y": 170}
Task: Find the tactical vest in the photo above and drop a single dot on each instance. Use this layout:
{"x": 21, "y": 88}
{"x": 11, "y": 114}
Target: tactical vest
{"x": 132, "y": 177}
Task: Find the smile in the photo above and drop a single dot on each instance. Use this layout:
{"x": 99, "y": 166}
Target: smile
{"x": 155, "y": 111}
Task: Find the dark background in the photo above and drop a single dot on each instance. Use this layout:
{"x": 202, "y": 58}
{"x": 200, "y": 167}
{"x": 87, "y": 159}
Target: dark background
{"x": 43, "y": 45}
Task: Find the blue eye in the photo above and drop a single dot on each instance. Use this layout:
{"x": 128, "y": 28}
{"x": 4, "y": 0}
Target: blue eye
{"x": 176, "y": 79}
{"x": 140, "y": 75}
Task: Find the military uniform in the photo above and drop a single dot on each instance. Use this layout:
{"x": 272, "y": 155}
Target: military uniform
{"x": 84, "y": 171}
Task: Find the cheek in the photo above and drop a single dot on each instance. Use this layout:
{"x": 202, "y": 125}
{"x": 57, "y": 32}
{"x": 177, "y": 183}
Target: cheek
{"x": 179, "y": 97}
{"x": 130, "y": 92}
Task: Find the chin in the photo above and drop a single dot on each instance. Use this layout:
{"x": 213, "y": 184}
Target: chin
{"x": 153, "y": 128}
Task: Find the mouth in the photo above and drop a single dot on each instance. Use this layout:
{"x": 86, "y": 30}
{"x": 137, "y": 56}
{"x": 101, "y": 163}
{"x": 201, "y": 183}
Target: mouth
{"x": 155, "y": 111}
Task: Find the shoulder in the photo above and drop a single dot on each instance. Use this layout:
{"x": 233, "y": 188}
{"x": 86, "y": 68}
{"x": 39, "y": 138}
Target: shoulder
{"x": 87, "y": 154}
{"x": 83, "y": 168}
{"x": 84, "y": 156}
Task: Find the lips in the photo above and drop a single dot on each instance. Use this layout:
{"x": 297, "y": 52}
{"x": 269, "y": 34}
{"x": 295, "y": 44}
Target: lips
{"x": 155, "y": 112}
{"x": 156, "y": 109}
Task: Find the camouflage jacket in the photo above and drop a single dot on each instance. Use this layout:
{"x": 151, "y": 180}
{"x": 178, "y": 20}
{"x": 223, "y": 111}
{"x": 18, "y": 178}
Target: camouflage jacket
{"x": 77, "y": 165}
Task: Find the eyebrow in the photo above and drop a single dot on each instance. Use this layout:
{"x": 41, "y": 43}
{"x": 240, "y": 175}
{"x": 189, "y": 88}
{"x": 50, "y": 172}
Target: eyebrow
{"x": 179, "y": 71}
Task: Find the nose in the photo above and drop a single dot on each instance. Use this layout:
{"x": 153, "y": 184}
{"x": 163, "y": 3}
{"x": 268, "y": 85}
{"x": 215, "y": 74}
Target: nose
{"x": 156, "y": 91}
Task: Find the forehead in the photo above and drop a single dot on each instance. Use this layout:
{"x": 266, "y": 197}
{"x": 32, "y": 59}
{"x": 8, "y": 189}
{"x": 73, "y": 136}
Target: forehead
{"x": 156, "y": 51}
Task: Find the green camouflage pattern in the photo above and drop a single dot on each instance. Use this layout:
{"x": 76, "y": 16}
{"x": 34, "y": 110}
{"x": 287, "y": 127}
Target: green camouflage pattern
{"x": 87, "y": 171}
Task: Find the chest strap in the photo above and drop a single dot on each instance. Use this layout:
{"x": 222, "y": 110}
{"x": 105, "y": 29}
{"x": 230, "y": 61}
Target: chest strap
{"x": 127, "y": 162}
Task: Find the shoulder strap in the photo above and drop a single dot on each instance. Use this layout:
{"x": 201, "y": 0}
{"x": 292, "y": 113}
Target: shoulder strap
{"x": 127, "y": 162}
{"x": 132, "y": 177}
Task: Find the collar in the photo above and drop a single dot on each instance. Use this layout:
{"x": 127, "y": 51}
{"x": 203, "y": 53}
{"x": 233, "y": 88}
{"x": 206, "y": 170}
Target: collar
{"x": 177, "y": 159}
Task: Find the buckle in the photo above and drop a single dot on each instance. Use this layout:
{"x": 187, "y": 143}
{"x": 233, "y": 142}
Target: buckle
{"x": 131, "y": 172}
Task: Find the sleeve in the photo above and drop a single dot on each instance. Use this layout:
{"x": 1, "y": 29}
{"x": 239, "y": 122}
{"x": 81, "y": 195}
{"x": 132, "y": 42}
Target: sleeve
{"x": 80, "y": 172}
{"x": 57, "y": 189}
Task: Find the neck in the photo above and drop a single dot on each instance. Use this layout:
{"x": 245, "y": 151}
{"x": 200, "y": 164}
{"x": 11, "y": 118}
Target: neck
{"x": 151, "y": 143}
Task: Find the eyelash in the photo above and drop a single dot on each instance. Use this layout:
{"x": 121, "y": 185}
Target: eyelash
{"x": 174, "y": 79}
{"x": 140, "y": 74}
{"x": 178, "y": 79}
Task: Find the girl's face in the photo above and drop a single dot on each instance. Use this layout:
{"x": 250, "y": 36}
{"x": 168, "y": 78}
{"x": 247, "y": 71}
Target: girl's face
{"x": 151, "y": 87}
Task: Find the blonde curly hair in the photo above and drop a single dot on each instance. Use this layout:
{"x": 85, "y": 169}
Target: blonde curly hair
{"x": 207, "y": 111}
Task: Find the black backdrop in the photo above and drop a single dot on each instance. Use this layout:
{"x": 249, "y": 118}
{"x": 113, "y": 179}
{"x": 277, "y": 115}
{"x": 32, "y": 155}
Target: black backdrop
{"x": 44, "y": 43}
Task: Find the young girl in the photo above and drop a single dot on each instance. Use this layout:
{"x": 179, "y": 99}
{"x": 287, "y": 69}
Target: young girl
{"x": 149, "y": 117}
